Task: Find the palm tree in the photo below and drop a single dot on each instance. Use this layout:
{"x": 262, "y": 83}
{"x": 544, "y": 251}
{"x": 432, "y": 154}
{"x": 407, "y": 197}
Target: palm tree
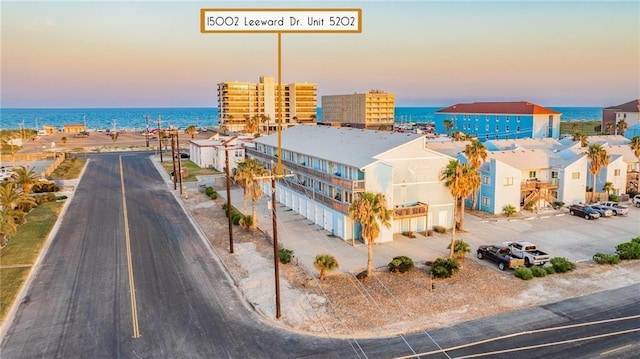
{"x": 575, "y": 127}
{"x": 367, "y": 210}
{"x": 8, "y": 225}
{"x": 459, "y": 178}
{"x": 191, "y": 130}
{"x": 609, "y": 128}
{"x": 448, "y": 124}
{"x": 635, "y": 146}
{"x": 252, "y": 124}
{"x": 599, "y": 158}
{"x": 324, "y": 263}
{"x": 26, "y": 178}
{"x": 459, "y": 136}
{"x": 608, "y": 187}
{"x": 476, "y": 153}
{"x": 621, "y": 127}
{"x": 582, "y": 138}
{"x": 245, "y": 174}
{"x": 460, "y": 248}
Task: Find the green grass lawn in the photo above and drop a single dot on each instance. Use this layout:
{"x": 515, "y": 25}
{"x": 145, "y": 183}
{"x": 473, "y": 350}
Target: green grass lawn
{"x": 586, "y": 127}
{"x": 11, "y": 280}
{"x": 192, "y": 168}
{"x": 69, "y": 169}
{"x": 23, "y": 249}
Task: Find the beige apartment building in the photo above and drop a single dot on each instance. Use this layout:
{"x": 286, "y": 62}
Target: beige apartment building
{"x": 373, "y": 109}
{"x": 240, "y": 101}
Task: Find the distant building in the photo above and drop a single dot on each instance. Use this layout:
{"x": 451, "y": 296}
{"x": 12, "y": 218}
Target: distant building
{"x": 499, "y": 120}
{"x": 211, "y": 153}
{"x": 240, "y": 101}
{"x": 628, "y": 112}
{"x": 73, "y": 128}
{"x": 48, "y": 130}
{"x": 373, "y": 109}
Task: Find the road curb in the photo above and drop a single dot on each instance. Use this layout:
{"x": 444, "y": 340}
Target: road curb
{"x": 8, "y": 319}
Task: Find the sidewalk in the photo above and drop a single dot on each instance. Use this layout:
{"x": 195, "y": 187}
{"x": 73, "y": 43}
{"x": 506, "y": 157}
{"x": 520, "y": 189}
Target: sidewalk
{"x": 307, "y": 240}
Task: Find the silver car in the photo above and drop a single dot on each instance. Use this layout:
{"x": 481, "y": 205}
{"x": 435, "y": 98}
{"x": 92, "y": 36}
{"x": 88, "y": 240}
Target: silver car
{"x": 617, "y": 209}
{"x": 604, "y": 211}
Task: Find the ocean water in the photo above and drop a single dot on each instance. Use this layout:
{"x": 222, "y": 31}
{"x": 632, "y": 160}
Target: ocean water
{"x": 137, "y": 118}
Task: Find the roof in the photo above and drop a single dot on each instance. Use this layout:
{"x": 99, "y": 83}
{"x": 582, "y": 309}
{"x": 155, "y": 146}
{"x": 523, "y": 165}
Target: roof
{"x": 346, "y": 145}
{"x": 450, "y": 148}
{"x": 522, "y": 159}
{"x": 508, "y": 108}
{"x": 631, "y": 106}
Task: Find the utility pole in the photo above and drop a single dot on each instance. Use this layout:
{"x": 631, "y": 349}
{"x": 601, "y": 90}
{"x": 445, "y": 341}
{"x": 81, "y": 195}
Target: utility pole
{"x": 173, "y": 160}
{"x": 84, "y": 122}
{"x": 275, "y": 244}
{"x": 179, "y": 160}
{"x": 226, "y": 169}
{"x": 146, "y": 118}
{"x": 160, "y": 141}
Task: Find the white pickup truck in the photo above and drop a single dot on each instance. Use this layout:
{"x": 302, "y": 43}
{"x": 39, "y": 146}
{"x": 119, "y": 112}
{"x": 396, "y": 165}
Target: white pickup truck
{"x": 529, "y": 252}
{"x": 636, "y": 200}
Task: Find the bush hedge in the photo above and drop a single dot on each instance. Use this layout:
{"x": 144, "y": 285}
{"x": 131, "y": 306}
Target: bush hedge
{"x": 523, "y": 273}
{"x": 439, "y": 229}
{"x": 285, "y": 255}
{"x": 444, "y": 268}
{"x": 603, "y": 258}
{"x": 400, "y": 264}
{"x": 538, "y": 271}
{"x": 562, "y": 265}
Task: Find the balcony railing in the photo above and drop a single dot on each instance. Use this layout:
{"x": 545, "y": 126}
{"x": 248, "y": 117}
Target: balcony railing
{"x": 318, "y": 197}
{"x": 335, "y": 181}
{"x": 418, "y": 209}
{"x": 531, "y": 185}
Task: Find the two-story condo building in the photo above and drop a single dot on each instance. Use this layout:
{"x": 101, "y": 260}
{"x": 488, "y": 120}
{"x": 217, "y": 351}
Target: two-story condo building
{"x": 628, "y": 112}
{"x": 212, "y": 153}
{"x": 499, "y": 120}
{"x": 239, "y": 101}
{"x": 331, "y": 165}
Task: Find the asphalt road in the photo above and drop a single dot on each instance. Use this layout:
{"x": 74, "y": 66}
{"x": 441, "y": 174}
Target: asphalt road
{"x": 185, "y": 306}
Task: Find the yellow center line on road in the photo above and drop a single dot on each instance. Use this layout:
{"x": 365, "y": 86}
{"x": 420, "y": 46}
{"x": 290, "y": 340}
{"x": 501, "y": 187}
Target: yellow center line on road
{"x": 132, "y": 285}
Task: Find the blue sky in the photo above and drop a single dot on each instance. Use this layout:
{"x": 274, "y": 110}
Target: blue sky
{"x": 151, "y": 53}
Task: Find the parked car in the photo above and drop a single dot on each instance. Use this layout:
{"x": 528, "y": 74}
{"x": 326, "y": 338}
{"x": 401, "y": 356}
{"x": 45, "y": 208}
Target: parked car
{"x": 618, "y": 210}
{"x": 529, "y": 252}
{"x": 583, "y": 211}
{"x": 636, "y": 200}
{"x": 499, "y": 254}
{"x": 604, "y": 211}
{"x": 182, "y": 155}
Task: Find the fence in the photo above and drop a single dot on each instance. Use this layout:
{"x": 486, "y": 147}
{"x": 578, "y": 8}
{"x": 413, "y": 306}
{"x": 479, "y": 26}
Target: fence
{"x": 58, "y": 160}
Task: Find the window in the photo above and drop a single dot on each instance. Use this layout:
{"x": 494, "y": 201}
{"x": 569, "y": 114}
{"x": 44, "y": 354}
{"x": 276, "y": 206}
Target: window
{"x": 486, "y": 128}
{"x": 518, "y": 129}
{"x": 487, "y": 117}
{"x": 575, "y": 175}
{"x": 517, "y": 118}
{"x": 508, "y": 181}
{"x": 486, "y": 180}
{"x": 486, "y": 136}
{"x": 506, "y": 118}
{"x": 485, "y": 201}
{"x": 533, "y": 174}
{"x": 239, "y": 154}
{"x": 506, "y": 128}
{"x": 616, "y": 172}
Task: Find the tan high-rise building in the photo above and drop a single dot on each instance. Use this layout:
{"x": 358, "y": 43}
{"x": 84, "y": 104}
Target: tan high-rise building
{"x": 240, "y": 101}
{"x": 373, "y": 109}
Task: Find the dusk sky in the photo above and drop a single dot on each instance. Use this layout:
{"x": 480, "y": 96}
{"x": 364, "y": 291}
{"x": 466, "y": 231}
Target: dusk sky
{"x": 152, "y": 54}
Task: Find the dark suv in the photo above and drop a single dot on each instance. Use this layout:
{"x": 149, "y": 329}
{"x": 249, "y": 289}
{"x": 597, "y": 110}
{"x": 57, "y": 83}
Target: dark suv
{"x": 583, "y": 211}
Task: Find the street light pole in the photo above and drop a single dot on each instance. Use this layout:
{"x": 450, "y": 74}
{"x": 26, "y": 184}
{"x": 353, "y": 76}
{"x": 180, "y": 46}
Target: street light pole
{"x": 173, "y": 160}
{"x": 226, "y": 168}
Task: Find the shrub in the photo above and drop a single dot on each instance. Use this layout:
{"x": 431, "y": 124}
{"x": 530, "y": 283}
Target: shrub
{"x": 41, "y": 187}
{"x": 429, "y": 232}
{"x": 613, "y": 197}
{"x": 538, "y": 271}
{"x": 409, "y": 234}
{"x": 636, "y": 240}
{"x": 460, "y": 248}
{"x": 245, "y": 221}
{"x": 523, "y": 273}
{"x": 509, "y": 210}
{"x": 236, "y": 217}
{"x": 628, "y": 250}
{"x": 400, "y": 264}
{"x": 439, "y": 229}
{"x": 209, "y": 191}
{"x": 285, "y": 255}
{"x": 557, "y": 204}
{"x": 562, "y": 265}
{"x": 214, "y": 195}
{"x": 549, "y": 270}
{"x": 603, "y": 258}
{"x": 444, "y": 268}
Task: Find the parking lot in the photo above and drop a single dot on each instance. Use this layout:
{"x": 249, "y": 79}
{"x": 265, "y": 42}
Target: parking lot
{"x": 558, "y": 234}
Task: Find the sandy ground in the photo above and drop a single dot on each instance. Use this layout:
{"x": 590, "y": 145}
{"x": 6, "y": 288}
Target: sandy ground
{"x": 386, "y": 303}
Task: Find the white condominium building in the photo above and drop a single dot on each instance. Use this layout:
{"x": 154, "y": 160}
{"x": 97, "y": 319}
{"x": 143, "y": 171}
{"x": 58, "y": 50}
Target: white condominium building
{"x": 362, "y": 110}
{"x": 241, "y": 101}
